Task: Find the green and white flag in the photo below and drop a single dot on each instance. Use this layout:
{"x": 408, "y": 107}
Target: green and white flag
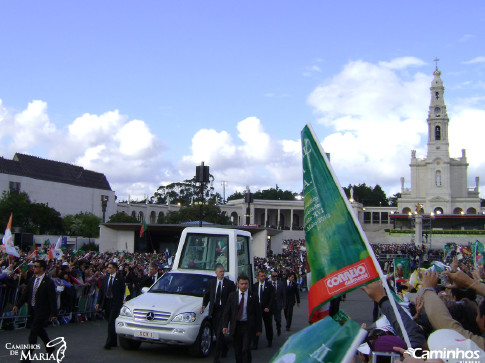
{"x": 338, "y": 255}
{"x": 324, "y": 341}
{"x": 477, "y": 252}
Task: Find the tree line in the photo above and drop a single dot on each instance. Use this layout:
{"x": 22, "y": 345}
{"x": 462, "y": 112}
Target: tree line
{"x": 39, "y": 218}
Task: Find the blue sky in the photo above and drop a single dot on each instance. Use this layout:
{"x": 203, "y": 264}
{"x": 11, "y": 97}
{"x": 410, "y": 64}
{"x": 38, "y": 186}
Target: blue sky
{"x": 144, "y": 91}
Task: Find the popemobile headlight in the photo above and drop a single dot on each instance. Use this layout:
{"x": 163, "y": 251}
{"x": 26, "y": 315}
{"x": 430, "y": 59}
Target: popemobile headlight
{"x": 185, "y": 318}
{"x": 125, "y": 311}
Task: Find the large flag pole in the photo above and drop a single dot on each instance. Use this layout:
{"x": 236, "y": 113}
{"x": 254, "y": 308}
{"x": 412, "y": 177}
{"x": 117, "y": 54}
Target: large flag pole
{"x": 319, "y": 217}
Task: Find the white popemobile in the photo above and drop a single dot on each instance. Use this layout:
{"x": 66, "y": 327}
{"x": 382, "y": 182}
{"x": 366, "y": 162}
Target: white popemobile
{"x": 169, "y": 311}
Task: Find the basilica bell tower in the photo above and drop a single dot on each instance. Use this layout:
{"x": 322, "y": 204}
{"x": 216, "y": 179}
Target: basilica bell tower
{"x": 439, "y": 184}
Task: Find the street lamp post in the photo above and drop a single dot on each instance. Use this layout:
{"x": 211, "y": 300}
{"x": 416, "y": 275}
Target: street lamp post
{"x": 202, "y": 177}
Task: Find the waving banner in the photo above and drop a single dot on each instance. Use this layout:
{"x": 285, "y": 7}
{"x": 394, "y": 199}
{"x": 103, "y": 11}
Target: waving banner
{"x": 335, "y": 243}
{"x": 324, "y": 341}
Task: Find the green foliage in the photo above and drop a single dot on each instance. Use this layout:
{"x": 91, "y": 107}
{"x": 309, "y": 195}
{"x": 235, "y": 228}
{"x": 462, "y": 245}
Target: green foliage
{"x": 185, "y": 193}
{"x": 91, "y": 246}
{"x": 393, "y": 199}
{"x": 46, "y": 220}
{"x": 191, "y": 213}
{"x": 368, "y": 196}
{"x": 122, "y": 217}
{"x": 275, "y": 194}
{"x": 235, "y": 195}
{"x": 267, "y": 194}
{"x": 31, "y": 217}
{"x": 82, "y": 224}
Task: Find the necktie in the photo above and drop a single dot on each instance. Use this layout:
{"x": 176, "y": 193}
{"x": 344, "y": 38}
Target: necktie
{"x": 260, "y": 292}
{"x": 274, "y": 285}
{"x": 109, "y": 293}
{"x": 34, "y": 290}
{"x": 219, "y": 293}
{"x": 241, "y": 308}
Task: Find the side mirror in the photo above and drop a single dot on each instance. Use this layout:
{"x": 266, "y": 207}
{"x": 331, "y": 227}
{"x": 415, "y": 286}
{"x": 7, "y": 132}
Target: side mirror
{"x": 144, "y": 290}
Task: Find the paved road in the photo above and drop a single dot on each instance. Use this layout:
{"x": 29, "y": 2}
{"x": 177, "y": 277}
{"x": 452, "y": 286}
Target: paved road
{"x": 85, "y": 341}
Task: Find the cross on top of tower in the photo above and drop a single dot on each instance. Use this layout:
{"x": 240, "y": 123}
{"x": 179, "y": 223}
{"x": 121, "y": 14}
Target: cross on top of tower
{"x": 436, "y": 72}
{"x": 436, "y": 60}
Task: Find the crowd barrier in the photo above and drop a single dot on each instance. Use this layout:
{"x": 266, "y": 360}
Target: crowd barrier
{"x": 75, "y": 304}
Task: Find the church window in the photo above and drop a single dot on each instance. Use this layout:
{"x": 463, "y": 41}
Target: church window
{"x": 437, "y": 133}
{"x": 438, "y": 178}
{"x": 437, "y": 95}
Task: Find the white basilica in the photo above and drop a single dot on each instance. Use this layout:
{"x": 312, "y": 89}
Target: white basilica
{"x": 439, "y": 182}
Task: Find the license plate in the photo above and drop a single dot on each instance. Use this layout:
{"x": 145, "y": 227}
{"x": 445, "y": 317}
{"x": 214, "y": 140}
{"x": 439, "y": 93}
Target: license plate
{"x": 146, "y": 334}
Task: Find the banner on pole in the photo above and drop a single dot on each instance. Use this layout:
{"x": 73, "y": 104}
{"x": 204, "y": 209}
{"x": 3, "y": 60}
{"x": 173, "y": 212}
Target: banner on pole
{"x": 336, "y": 248}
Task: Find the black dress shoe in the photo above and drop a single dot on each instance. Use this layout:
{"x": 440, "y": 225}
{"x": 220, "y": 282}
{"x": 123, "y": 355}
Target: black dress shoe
{"x": 107, "y": 347}
{"x": 270, "y": 344}
{"x": 254, "y": 347}
{"x": 279, "y": 332}
{"x": 287, "y": 329}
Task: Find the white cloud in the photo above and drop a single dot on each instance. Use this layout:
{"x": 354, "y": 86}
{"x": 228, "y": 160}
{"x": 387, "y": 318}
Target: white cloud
{"x": 254, "y": 158}
{"x": 402, "y": 63}
{"x": 126, "y": 151}
{"x": 475, "y": 60}
{"x": 375, "y": 115}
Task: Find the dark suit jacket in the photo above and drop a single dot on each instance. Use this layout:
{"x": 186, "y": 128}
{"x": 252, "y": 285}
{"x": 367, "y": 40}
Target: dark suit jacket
{"x": 268, "y": 297}
{"x": 45, "y": 298}
{"x": 147, "y": 281}
{"x": 253, "y": 312}
{"x": 292, "y": 293}
{"x": 280, "y": 295}
{"x": 118, "y": 290}
{"x": 210, "y": 295}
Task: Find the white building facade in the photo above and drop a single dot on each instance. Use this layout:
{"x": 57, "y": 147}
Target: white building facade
{"x": 439, "y": 183}
{"x": 67, "y": 188}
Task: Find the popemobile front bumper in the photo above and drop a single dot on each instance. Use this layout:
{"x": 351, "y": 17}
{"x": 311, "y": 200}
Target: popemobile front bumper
{"x": 146, "y": 331}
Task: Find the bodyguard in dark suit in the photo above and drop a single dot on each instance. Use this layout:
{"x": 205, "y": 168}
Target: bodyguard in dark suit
{"x": 217, "y": 294}
{"x": 279, "y": 300}
{"x": 265, "y": 292}
{"x": 292, "y": 296}
{"x": 41, "y": 298}
{"x": 110, "y": 297}
{"x": 244, "y": 313}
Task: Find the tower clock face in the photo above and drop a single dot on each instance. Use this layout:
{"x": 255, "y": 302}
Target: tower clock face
{"x": 437, "y": 111}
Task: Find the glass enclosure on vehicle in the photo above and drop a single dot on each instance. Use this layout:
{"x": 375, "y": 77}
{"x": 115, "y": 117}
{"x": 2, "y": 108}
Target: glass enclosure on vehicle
{"x": 182, "y": 284}
{"x": 243, "y": 257}
{"x": 204, "y": 251}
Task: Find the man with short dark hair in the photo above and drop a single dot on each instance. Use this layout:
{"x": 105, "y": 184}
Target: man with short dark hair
{"x": 152, "y": 276}
{"x": 279, "y": 300}
{"x": 40, "y": 295}
{"x": 244, "y": 313}
{"x": 292, "y": 296}
{"x": 111, "y": 296}
{"x": 217, "y": 294}
{"x": 265, "y": 292}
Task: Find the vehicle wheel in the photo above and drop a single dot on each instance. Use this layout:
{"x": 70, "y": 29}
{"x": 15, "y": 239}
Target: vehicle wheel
{"x": 203, "y": 344}
{"x": 129, "y": 344}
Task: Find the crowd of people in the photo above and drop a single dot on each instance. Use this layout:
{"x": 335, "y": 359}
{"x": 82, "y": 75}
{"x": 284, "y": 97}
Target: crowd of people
{"x": 442, "y": 301}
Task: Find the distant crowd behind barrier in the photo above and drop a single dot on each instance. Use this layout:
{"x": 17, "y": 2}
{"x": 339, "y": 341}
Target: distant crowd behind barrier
{"x": 78, "y": 275}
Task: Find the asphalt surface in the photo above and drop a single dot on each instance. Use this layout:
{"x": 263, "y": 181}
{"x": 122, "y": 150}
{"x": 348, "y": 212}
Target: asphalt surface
{"x": 85, "y": 340}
